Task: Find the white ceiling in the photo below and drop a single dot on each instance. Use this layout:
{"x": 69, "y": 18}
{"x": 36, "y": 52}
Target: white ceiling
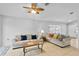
{"x": 53, "y": 12}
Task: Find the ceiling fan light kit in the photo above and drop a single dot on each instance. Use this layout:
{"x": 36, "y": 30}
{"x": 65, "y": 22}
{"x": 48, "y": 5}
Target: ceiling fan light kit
{"x": 33, "y": 11}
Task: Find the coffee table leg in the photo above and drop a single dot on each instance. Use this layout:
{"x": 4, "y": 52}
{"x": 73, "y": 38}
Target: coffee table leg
{"x": 24, "y": 51}
{"x": 41, "y": 47}
{"x": 38, "y": 46}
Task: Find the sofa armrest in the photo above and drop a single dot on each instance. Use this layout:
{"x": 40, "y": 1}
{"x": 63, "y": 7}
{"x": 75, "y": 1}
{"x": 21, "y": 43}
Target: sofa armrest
{"x": 66, "y": 40}
{"x": 17, "y": 40}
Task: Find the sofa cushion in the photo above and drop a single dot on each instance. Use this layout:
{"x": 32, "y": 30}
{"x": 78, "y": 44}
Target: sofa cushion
{"x": 28, "y": 36}
{"x": 23, "y": 37}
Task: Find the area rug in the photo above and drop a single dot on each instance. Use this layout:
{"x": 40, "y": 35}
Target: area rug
{"x": 31, "y": 51}
{"x": 48, "y": 50}
{"x": 3, "y": 50}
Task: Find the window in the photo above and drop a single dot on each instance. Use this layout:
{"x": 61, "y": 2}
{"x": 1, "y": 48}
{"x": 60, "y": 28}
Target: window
{"x": 55, "y": 29}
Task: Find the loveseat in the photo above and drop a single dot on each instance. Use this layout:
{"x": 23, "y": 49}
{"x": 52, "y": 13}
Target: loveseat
{"x": 59, "y": 40}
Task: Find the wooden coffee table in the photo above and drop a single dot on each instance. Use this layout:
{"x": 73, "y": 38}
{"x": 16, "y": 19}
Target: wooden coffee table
{"x": 30, "y": 43}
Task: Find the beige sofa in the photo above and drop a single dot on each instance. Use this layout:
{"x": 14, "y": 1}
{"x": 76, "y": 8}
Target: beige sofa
{"x": 61, "y": 42}
{"x": 18, "y": 39}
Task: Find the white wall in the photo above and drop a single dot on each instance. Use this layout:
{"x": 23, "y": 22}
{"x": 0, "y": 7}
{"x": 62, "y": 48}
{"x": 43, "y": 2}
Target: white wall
{"x": 45, "y": 26}
{"x": 13, "y": 26}
{"x": 0, "y": 30}
{"x": 74, "y": 31}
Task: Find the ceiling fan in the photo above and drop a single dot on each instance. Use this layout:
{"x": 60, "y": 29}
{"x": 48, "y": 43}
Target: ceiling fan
{"x": 34, "y": 8}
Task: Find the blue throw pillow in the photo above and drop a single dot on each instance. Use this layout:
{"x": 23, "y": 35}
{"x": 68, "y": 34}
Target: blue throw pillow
{"x": 23, "y": 37}
{"x": 34, "y": 36}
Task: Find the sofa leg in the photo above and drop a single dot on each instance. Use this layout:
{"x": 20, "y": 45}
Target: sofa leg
{"x": 38, "y": 46}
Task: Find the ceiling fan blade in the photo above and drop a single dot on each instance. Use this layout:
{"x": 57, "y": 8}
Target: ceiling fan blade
{"x": 27, "y": 7}
{"x": 34, "y": 5}
{"x": 39, "y": 9}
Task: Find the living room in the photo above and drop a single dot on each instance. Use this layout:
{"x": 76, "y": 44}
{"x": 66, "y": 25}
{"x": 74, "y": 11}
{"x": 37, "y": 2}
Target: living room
{"x": 58, "y": 18}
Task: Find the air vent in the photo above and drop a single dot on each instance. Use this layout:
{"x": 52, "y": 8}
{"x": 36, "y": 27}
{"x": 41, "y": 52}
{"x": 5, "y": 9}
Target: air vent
{"x": 71, "y": 13}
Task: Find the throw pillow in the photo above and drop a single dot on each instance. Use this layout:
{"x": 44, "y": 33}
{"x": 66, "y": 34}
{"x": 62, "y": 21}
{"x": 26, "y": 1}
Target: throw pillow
{"x": 55, "y": 36}
{"x": 33, "y": 36}
{"x": 60, "y": 37}
{"x": 23, "y": 37}
{"x": 50, "y": 34}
